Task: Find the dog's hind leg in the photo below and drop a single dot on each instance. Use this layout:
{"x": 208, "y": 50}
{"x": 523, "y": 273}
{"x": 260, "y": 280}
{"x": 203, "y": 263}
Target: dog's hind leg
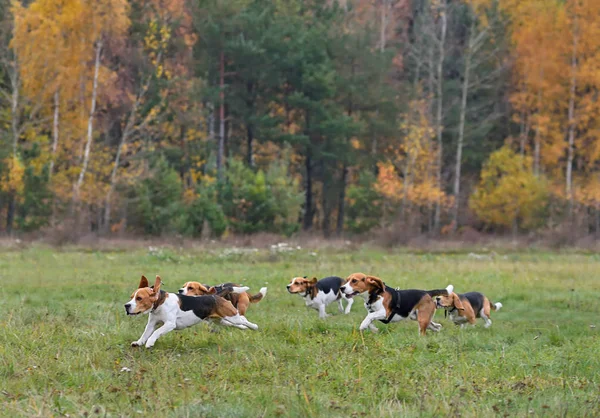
{"x": 238, "y": 321}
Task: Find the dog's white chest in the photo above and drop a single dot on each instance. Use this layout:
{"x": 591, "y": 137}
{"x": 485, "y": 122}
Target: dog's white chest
{"x": 321, "y": 298}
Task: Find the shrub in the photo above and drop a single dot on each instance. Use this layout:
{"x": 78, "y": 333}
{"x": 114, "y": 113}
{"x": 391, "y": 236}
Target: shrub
{"x": 509, "y": 194}
{"x": 255, "y": 201}
{"x": 365, "y": 206}
{"x": 156, "y": 204}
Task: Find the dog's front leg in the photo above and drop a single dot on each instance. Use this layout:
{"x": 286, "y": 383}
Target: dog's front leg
{"x": 322, "y": 312}
{"x": 349, "y": 305}
{"x": 150, "y": 326}
{"x": 373, "y": 316}
{"x": 167, "y": 327}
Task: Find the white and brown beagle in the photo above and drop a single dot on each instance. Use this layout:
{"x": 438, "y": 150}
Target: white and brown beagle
{"x": 390, "y": 305}
{"x": 179, "y": 311}
{"x": 319, "y": 293}
{"x": 239, "y": 300}
{"x": 467, "y": 307}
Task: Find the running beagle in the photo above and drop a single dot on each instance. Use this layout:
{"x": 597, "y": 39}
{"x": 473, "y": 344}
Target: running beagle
{"x": 239, "y": 300}
{"x": 467, "y": 307}
{"x": 319, "y": 294}
{"x": 179, "y": 311}
{"x": 390, "y": 305}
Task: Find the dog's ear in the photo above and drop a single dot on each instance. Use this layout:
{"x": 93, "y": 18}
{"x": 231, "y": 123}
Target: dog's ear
{"x": 376, "y": 282}
{"x": 211, "y": 291}
{"x": 313, "y": 281}
{"x": 157, "y": 283}
{"x": 457, "y": 303}
{"x": 143, "y": 282}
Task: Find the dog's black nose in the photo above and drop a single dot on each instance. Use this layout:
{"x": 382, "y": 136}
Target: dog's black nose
{"x": 127, "y": 306}
{"x": 288, "y": 286}
{"x": 343, "y": 288}
{"x": 180, "y": 291}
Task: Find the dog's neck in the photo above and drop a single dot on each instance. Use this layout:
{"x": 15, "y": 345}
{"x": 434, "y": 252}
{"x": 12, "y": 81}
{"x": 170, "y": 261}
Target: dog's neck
{"x": 162, "y": 295}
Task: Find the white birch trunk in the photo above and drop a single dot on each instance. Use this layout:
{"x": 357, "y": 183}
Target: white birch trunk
{"x": 439, "y": 121}
{"x": 88, "y": 145}
{"x": 461, "y": 129}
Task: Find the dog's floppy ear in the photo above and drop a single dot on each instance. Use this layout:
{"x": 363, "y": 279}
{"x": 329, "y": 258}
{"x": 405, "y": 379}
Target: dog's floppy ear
{"x": 376, "y": 281}
{"x": 143, "y": 282}
{"x": 457, "y": 303}
{"x": 157, "y": 283}
{"x": 313, "y": 281}
{"x": 211, "y": 291}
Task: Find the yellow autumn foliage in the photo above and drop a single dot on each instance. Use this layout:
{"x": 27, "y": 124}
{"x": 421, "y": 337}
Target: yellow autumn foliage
{"x": 12, "y": 180}
{"x": 509, "y": 193}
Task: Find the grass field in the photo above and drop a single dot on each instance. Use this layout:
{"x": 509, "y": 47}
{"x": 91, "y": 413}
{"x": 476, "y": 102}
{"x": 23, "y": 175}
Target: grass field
{"x": 65, "y": 339}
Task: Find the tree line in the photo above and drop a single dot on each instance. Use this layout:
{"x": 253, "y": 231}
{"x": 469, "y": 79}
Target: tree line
{"x": 209, "y": 117}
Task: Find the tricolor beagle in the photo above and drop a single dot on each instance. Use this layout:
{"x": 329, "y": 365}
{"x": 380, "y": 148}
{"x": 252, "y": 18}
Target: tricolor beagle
{"x": 319, "y": 294}
{"x": 467, "y": 307}
{"x": 390, "y": 305}
{"x": 179, "y": 311}
{"x": 239, "y": 300}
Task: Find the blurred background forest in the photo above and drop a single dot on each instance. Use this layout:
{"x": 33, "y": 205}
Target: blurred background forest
{"x": 205, "y": 118}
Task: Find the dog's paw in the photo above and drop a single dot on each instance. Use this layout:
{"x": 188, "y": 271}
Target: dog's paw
{"x": 148, "y": 345}
{"x": 135, "y": 344}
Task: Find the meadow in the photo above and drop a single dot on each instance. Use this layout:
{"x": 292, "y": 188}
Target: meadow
{"x": 65, "y": 338}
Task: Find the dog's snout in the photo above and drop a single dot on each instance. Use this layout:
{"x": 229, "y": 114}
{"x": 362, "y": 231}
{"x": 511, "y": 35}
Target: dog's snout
{"x": 343, "y": 288}
{"x": 288, "y": 286}
{"x": 181, "y": 291}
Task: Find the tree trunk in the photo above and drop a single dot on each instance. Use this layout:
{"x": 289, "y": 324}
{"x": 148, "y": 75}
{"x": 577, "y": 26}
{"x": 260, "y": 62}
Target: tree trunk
{"x": 461, "y": 130}
{"x": 250, "y": 139}
{"x": 342, "y": 202}
{"x": 14, "y": 79}
{"x": 221, "y": 149}
{"x": 439, "y": 127}
{"x": 571, "y": 134}
{"x": 308, "y": 196}
{"x": 124, "y": 137}
{"x": 10, "y": 213}
{"x": 88, "y": 145}
{"x": 54, "y": 131}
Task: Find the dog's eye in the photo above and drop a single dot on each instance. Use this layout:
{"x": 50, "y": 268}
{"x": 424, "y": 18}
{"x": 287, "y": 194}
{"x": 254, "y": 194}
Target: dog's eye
{"x": 138, "y": 298}
{"x": 190, "y": 288}
{"x": 353, "y": 280}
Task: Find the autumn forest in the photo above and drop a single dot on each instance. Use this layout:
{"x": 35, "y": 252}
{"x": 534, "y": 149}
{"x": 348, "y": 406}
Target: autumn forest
{"x": 205, "y": 118}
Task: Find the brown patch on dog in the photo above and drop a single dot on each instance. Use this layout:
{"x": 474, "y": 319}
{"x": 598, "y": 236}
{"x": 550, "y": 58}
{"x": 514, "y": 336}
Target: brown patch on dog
{"x": 425, "y": 311}
{"x": 224, "y": 307}
{"x": 463, "y": 306}
{"x": 239, "y": 300}
{"x": 303, "y": 285}
{"x": 196, "y": 289}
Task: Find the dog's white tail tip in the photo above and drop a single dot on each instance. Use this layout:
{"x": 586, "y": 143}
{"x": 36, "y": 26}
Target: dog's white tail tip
{"x": 242, "y": 289}
{"x": 450, "y": 289}
{"x": 498, "y": 305}
{"x": 263, "y": 291}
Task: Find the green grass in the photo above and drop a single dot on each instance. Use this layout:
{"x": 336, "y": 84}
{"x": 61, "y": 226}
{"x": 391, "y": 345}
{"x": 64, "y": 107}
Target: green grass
{"x": 65, "y": 339}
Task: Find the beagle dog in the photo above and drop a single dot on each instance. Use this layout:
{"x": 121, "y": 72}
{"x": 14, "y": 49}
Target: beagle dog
{"x": 319, "y": 294}
{"x": 179, "y": 311}
{"x": 467, "y": 307}
{"x": 239, "y": 300}
{"x": 391, "y": 305}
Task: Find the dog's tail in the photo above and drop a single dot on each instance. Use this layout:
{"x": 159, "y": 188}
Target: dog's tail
{"x": 495, "y": 306}
{"x": 258, "y": 297}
